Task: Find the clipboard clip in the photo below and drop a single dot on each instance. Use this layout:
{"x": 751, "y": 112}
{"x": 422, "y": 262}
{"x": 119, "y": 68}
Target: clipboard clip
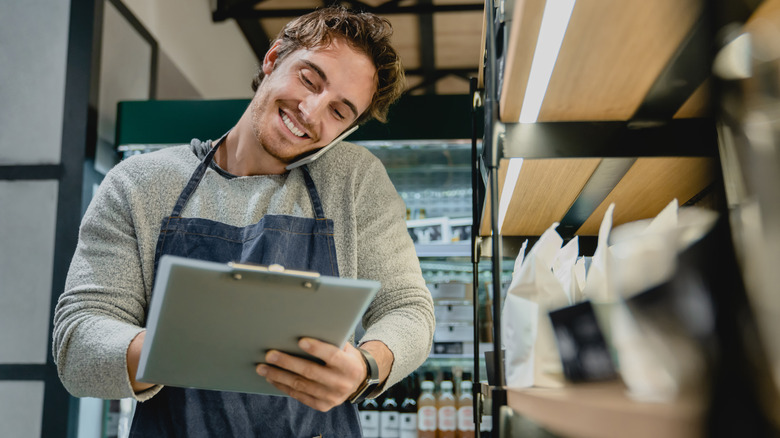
{"x": 238, "y": 267}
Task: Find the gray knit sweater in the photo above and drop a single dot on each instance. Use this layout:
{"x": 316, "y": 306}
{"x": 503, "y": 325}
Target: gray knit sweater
{"x": 109, "y": 283}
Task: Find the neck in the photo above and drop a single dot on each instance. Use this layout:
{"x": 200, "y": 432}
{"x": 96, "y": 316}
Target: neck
{"x": 241, "y": 155}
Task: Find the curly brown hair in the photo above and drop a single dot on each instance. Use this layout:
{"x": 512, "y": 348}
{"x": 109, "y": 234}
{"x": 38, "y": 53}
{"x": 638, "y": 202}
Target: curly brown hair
{"x": 364, "y": 32}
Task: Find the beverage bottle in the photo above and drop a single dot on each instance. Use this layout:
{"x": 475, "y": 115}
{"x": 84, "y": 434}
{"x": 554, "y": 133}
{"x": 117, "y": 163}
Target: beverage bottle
{"x": 426, "y": 410}
{"x": 408, "y": 408}
{"x": 369, "y": 418}
{"x": 486, "y": 426}
{"x": 446, "y": 414}
{"x": 389, "y": 421}
{"x": 466, "y": 408}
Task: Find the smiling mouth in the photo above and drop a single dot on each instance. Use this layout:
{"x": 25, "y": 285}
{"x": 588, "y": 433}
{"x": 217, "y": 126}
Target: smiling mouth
{"x": 289, "y": 124}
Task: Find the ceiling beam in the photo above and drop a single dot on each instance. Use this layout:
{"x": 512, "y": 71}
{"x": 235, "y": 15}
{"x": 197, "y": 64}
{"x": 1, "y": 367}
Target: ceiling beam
{"x": 430, "y": 78}
{"x": 389, "y": 8}
{"x": 226, "y": 9}
{"x": 256, "y": 36}
{"x": 427, "y": 47}
{"x": 464, "y": 73}
{"x": 252, "y": 30}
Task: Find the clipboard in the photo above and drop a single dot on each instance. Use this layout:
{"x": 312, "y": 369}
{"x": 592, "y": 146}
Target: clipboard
{"x": 209, "y": 324}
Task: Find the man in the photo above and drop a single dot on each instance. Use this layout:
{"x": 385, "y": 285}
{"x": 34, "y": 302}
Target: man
{"x": 327, "y": 71}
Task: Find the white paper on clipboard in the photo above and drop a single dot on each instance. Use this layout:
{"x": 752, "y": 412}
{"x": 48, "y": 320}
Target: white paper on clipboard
{"x": 209, "y": 324}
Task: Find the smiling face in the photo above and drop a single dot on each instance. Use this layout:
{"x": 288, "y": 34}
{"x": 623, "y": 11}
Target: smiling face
{"x": 310, "y": 97}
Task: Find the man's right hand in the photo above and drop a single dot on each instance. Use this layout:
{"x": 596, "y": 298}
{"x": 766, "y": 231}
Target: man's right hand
{"x": 133, "y": 357}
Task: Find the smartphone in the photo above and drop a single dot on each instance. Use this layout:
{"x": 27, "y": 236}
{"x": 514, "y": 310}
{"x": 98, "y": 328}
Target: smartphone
{"x": 310, "y": 158}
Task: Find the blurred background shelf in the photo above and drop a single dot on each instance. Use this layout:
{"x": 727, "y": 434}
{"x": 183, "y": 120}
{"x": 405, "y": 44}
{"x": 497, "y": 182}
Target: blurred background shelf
{"x": 603, "y": 410}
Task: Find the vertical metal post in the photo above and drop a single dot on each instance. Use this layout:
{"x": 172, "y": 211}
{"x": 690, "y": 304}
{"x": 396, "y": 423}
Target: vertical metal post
{"x": 493, "y": 155}
{"x": 475, "y": 256}
{"x": 491, "y": 110}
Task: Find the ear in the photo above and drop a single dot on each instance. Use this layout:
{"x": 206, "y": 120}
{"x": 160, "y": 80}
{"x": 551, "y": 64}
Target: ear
{"x": 269, "y": 60}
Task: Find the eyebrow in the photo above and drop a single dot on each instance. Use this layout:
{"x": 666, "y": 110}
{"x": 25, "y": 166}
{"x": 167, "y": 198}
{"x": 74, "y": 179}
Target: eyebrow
{"x": 322, "y": 75}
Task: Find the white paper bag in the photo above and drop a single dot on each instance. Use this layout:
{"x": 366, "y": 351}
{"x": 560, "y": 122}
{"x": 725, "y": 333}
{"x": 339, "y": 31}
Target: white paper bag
{"x": 596, "y": 285}
{"x": 643, "y": 254}
{"x": 532, "y": 357}
{"x": 578, "y": 275}
{"x": 563, "y": 267}
{"x": 655, "y": 364}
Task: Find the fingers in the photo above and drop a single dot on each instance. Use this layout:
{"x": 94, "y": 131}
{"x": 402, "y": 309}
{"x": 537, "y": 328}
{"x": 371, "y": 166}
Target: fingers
{"x": 302, "y": 389}
{"x": 305, "y": 398}
{"x": 318, "y": 386}
{"x": 321, "y": 350}
{"x": 339, "y": 363}
{"x": 304, "y": 370}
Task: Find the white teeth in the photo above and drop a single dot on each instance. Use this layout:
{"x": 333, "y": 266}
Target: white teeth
{"x": 290, "y": 126}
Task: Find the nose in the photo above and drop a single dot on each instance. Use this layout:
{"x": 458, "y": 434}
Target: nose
{"x": 312, "y": 106}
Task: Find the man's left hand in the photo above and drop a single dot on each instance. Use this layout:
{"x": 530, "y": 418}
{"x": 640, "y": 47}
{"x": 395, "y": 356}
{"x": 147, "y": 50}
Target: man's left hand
{"x": 321, "y": 387}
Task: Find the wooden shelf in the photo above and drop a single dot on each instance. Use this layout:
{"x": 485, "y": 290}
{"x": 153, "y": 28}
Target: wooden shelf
{"x": 610, "y": 57}
{"x": 603, "y": 410}
{"x": 539, "y": 179}
{"x": 592, "y": 145}
{"x": 547, "y": 188}
{"x": 649, "y": 186}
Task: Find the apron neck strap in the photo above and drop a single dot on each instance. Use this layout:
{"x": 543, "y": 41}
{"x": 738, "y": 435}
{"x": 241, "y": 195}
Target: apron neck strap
{"x": 316, "y": 203}
{"x": 197, "y": 176}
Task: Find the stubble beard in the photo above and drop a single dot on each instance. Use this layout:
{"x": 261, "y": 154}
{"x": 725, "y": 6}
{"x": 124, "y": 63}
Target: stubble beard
{"x": 257, "y": 131}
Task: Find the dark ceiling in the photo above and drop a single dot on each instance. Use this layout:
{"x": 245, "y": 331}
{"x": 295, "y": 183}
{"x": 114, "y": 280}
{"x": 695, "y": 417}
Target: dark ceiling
{"x": 439, "y": 41}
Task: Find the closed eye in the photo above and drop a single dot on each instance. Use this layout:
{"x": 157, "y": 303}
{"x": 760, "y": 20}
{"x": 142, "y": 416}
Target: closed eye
{"x": 306, "y": 81}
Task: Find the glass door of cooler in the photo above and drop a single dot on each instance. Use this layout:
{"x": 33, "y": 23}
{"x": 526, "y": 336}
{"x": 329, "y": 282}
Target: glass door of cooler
{"x": 433, "y": 177}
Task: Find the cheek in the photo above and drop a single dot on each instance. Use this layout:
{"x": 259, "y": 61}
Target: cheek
{"x": 256, "y": 111}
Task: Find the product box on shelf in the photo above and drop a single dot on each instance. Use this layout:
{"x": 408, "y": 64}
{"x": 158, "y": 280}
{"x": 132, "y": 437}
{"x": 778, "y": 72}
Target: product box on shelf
{"x": 454, "y": 332}
{"x": 431, "y": 230}
{"x": 454, "y": 312}
{"x": 450, "y": 291}
{"x": 453, "y": 347}
{"x": 460, "y": 229}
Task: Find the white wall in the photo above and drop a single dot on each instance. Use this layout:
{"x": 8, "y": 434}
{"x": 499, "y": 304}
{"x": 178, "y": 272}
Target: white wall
{"x": 33, "y": 48}
{"x": 33, "y": 55}
{"x": 215, "y": 57}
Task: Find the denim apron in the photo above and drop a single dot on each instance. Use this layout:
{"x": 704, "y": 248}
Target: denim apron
{"x": 293, "y": 242}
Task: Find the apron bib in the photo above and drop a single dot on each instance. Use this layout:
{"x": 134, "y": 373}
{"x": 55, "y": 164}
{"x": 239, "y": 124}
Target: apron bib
{"x": 293, "y": 242}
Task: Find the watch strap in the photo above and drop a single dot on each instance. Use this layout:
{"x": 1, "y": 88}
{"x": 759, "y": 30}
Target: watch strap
{"x": 369, "y": 385}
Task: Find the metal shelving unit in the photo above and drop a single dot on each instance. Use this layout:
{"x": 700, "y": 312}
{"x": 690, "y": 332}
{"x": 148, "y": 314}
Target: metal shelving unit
{"x": 646, "y": 135}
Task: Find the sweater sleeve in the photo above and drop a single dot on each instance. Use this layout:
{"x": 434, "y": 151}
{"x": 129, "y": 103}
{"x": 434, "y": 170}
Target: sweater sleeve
{"x": 103, "y": 306}
{"x": 401, "y": 315}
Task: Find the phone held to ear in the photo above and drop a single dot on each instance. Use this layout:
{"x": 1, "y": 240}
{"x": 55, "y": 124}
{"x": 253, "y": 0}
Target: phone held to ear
{"x": 310, "y": 158}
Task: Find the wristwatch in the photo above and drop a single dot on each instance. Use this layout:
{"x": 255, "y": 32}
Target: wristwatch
{"x": 368, "y": 386}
